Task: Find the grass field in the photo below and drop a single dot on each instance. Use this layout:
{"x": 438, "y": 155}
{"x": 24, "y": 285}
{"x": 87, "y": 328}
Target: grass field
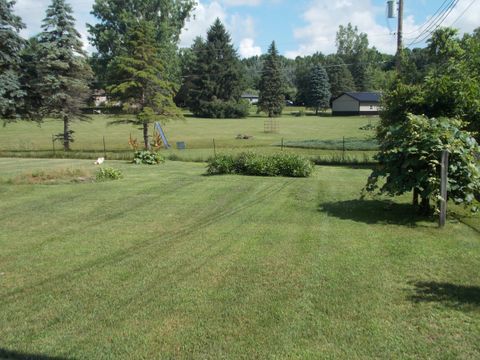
{"x": 169, "y": 263}
{"x": 29, "y": 140}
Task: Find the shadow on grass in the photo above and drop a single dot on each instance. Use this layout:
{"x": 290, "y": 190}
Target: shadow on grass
{"x": 15, "y": 355}
{"x": 372, "y": 211}
{"x": 446, "y": 293}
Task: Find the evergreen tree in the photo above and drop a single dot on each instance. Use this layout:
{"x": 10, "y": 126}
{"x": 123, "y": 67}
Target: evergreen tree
{"x": 339, "y": 76}
{"x": 143, "y": 88}
{"x": 63, "y": 72}
{"x": 107, "y": 35}
{"x": 272, "y": 97}
{"x": 303, "y": 69}
{"x": 319, "y": 89}
{"x": 11, "y": 44}
{"x": 217, "y": 77}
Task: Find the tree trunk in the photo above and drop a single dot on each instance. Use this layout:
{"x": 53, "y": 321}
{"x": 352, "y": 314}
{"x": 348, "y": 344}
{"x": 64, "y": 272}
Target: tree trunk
{"x": 66, "y": 133}
{"x": 425, "y": 206}
{"x": 316, "y": 111}
{"x": 415, "y": 197}
{"x": 145, "y": 136}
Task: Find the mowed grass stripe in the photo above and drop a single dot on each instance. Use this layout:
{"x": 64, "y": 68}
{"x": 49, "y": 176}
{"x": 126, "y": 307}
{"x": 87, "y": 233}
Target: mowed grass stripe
{"x": 265, "y": 268}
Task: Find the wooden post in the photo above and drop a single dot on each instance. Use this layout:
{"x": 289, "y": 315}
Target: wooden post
{"x": 343, "y": 149}
{"x": 443, "y": 189}
{"x": 398, "y": 59}
{"x": 282, "y": 144}
{"x": 214, "y": 149}
{"x": 104, "y": 149}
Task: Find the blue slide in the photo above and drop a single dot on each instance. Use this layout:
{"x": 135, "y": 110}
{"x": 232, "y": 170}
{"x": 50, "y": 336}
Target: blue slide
{"x": 159, "y": 129}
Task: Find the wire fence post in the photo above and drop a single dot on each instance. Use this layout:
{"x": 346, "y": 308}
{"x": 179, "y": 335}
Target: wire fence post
{"x": 53, "y": 146}
{"x": 214, "y": 149}
{"x": 343, "y": 149}
{"x": 104, "y": 149}
{"x": 282, "y": 143}
{"x": 443, "y": 190}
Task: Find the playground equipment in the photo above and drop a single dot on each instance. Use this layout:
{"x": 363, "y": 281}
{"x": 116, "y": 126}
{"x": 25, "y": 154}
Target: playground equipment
{"x": 271, "y": 126}
{"x": 159, "y": 129}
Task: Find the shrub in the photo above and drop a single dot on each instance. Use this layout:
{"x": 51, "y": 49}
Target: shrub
{"x": 147, "y": 157}
{"x": 108, "y": 173}
{"x": 249, "y": 163}
{"x": 221, "y": 164}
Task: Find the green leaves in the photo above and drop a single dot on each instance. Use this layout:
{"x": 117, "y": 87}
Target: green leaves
{"x": 272, "y": 84}
{"x": 410, "y": 154}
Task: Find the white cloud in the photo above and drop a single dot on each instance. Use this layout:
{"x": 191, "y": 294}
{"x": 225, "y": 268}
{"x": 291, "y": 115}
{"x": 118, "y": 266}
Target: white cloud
{"x": 240, "y": 27}
{"x": 248, "y": 49}
{"x": 323, "y": 18}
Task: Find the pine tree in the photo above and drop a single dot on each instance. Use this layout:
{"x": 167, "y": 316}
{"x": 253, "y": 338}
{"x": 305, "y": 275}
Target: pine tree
{"x": 63, "y": 72}
{"x": 11, "y": 44}
{"x": 319, "y": 89}
{"x": 143, "y": 89}
{"x": 272, "y": 97}
{"x": 217, "y": 74}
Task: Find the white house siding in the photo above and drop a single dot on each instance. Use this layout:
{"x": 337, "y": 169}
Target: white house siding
{"x": 345, "y": 104}
{"x": 369, "y": 107}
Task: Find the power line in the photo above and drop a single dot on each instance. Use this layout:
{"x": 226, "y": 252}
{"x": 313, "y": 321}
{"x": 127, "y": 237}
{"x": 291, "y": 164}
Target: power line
{"x": 463, "y": 13}
{"x": 435, "y": 25}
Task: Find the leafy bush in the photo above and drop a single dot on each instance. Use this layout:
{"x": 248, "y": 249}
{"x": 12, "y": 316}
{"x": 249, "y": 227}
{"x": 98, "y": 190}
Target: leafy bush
{"x": 219, "y": 109}
{"x": 221, "y": 164}
{"x": 147, "y": 157}
{"x": 108, "y": 173}
{"x": 249, "y": 163}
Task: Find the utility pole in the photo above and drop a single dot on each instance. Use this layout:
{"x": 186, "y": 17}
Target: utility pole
{"x": 399, "y": 36}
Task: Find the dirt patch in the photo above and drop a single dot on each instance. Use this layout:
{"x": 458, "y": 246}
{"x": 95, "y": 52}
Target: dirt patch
{"x": 53, "y": 177}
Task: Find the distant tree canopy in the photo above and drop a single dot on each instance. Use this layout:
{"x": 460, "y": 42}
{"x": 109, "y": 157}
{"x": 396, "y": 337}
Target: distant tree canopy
{"x": 168, "y": 17}
{"x": 11, "y": 44}
{"x": 216, "y": 76}
{"x": 272, "y": 98}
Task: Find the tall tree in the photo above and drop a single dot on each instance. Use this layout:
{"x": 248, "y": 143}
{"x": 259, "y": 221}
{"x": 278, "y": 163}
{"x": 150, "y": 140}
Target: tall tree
{"x": 339, "y": 76}
{"x": 11, "y": 44}
{"x": 352, "y": 47}
{"x": 217, "y": 76}
{"x": 319, "y": 89}
{"x": 63, "y": 72}
{"x": 303, "y": 68}
{"x": 272, "y": 99}
{"x": 113, "y": 18}
{"x": 143, "y": 88}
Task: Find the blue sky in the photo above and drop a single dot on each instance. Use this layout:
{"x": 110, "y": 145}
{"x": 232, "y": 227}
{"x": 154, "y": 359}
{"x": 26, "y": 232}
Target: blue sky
{"x": 299, "y": 27}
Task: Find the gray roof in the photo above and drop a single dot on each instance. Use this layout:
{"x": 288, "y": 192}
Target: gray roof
{"x": 363, "y": 96}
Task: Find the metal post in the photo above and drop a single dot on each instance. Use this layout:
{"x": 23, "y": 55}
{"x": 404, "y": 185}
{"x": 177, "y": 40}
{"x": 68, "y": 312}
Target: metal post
{"x": 343, "y": 149}
{"x": 399, "y": 36}
{"x": 104, "y": 149}
{"x": 214, "y": 149}
{"x": 443, "y": 189}
{"x": 282, "y": 144}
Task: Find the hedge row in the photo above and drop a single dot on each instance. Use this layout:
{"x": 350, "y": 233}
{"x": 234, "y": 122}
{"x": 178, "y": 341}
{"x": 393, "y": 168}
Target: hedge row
{"x": 248, "y": 163}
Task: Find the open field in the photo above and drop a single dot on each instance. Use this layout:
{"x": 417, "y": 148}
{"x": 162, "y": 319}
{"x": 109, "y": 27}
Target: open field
{"x": 168, "y": 263}
{"x": 29, "y": 140}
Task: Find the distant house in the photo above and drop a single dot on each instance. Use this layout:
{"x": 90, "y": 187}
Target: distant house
{"x": 356, "y": 103}
{"x": 253, "y": 99}
{"x": 99, "y": 97}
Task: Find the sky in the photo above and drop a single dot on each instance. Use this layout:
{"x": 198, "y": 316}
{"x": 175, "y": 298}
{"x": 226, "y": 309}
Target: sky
{"x": 299, "y": 27}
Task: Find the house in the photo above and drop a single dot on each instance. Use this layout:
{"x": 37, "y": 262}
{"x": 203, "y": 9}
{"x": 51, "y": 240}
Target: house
{"x": 356, "y": 103}
{"x": 253, "y": 99}
{"x": 99, "y": 97}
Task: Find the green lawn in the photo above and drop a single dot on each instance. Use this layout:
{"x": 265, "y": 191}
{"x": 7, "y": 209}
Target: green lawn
{"x": 169, "y": 263}
{"x": 29, "y": 140}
